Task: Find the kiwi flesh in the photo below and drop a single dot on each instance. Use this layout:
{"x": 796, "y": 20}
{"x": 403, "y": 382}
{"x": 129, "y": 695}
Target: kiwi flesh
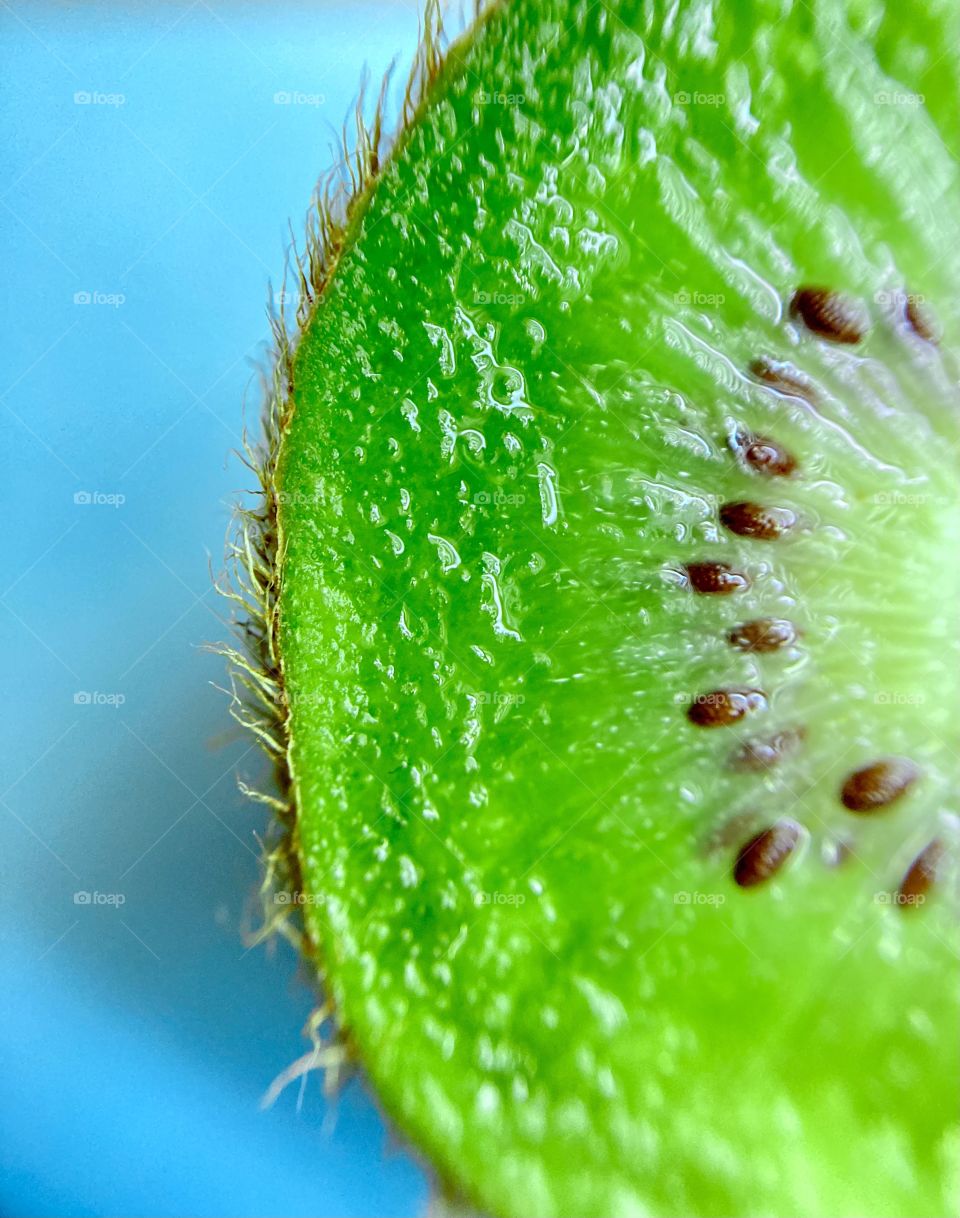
{"x": 616, "y": 611}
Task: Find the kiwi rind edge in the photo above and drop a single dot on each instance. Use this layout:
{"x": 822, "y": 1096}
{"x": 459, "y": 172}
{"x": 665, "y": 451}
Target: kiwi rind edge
{"x": 251, "y": 575}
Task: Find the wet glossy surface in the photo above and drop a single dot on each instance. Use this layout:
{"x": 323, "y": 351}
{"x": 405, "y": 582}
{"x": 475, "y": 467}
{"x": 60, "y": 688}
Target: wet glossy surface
{"x": 516, "y": 423}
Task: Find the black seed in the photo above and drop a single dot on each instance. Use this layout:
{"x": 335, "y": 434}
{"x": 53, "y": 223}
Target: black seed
{"x": 763, "y": 856}
{"x": 921, "y": 876}
{"x": 878, "y": 785}
{"x": 918, "y": 319}
{"x": 764, "y": 752}
{"x": 715, "y": 578}
{"x": 763, "y": 634}
{"x": 784, "y": 379}
{"x": 829, "y": 314}
{"x": 721, "y": 707}
{"x": 755, "y": 520}
{"x": 763, "y": 455}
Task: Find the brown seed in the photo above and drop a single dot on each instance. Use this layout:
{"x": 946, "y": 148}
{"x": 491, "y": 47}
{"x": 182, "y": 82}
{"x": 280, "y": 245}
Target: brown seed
{"x": 918, "y": 319}
{"x": 763, "y": 455}
{"x": 784, "y": 378}
{"x": 721, "y": 707}
{"x": 763, "y": 856}
{"x": 715, "y": 578}
{"x": 829, "y": 314}
{"x": 878, "y": 785}
{"x": 763, "y": 634}
{"x": 757, "y": 520}
{"x": 921, "y": 875}
{"x": 764, "y": 752}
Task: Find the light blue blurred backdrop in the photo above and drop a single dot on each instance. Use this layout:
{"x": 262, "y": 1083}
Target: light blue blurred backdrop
{"x": 148, "y": 175}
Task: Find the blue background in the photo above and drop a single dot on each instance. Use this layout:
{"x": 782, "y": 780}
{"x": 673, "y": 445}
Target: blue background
{"x": 137, "y": 1040}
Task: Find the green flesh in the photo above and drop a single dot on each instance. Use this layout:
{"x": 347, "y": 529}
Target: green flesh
{"x": 510, "y": 428}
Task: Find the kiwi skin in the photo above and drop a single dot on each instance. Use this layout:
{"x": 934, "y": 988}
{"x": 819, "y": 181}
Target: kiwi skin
{"x": 593, "y": 1194}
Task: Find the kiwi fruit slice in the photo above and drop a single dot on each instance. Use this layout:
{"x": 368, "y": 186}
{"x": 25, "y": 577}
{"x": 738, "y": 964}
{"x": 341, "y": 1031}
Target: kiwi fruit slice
{"x": 611, "y": 606}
